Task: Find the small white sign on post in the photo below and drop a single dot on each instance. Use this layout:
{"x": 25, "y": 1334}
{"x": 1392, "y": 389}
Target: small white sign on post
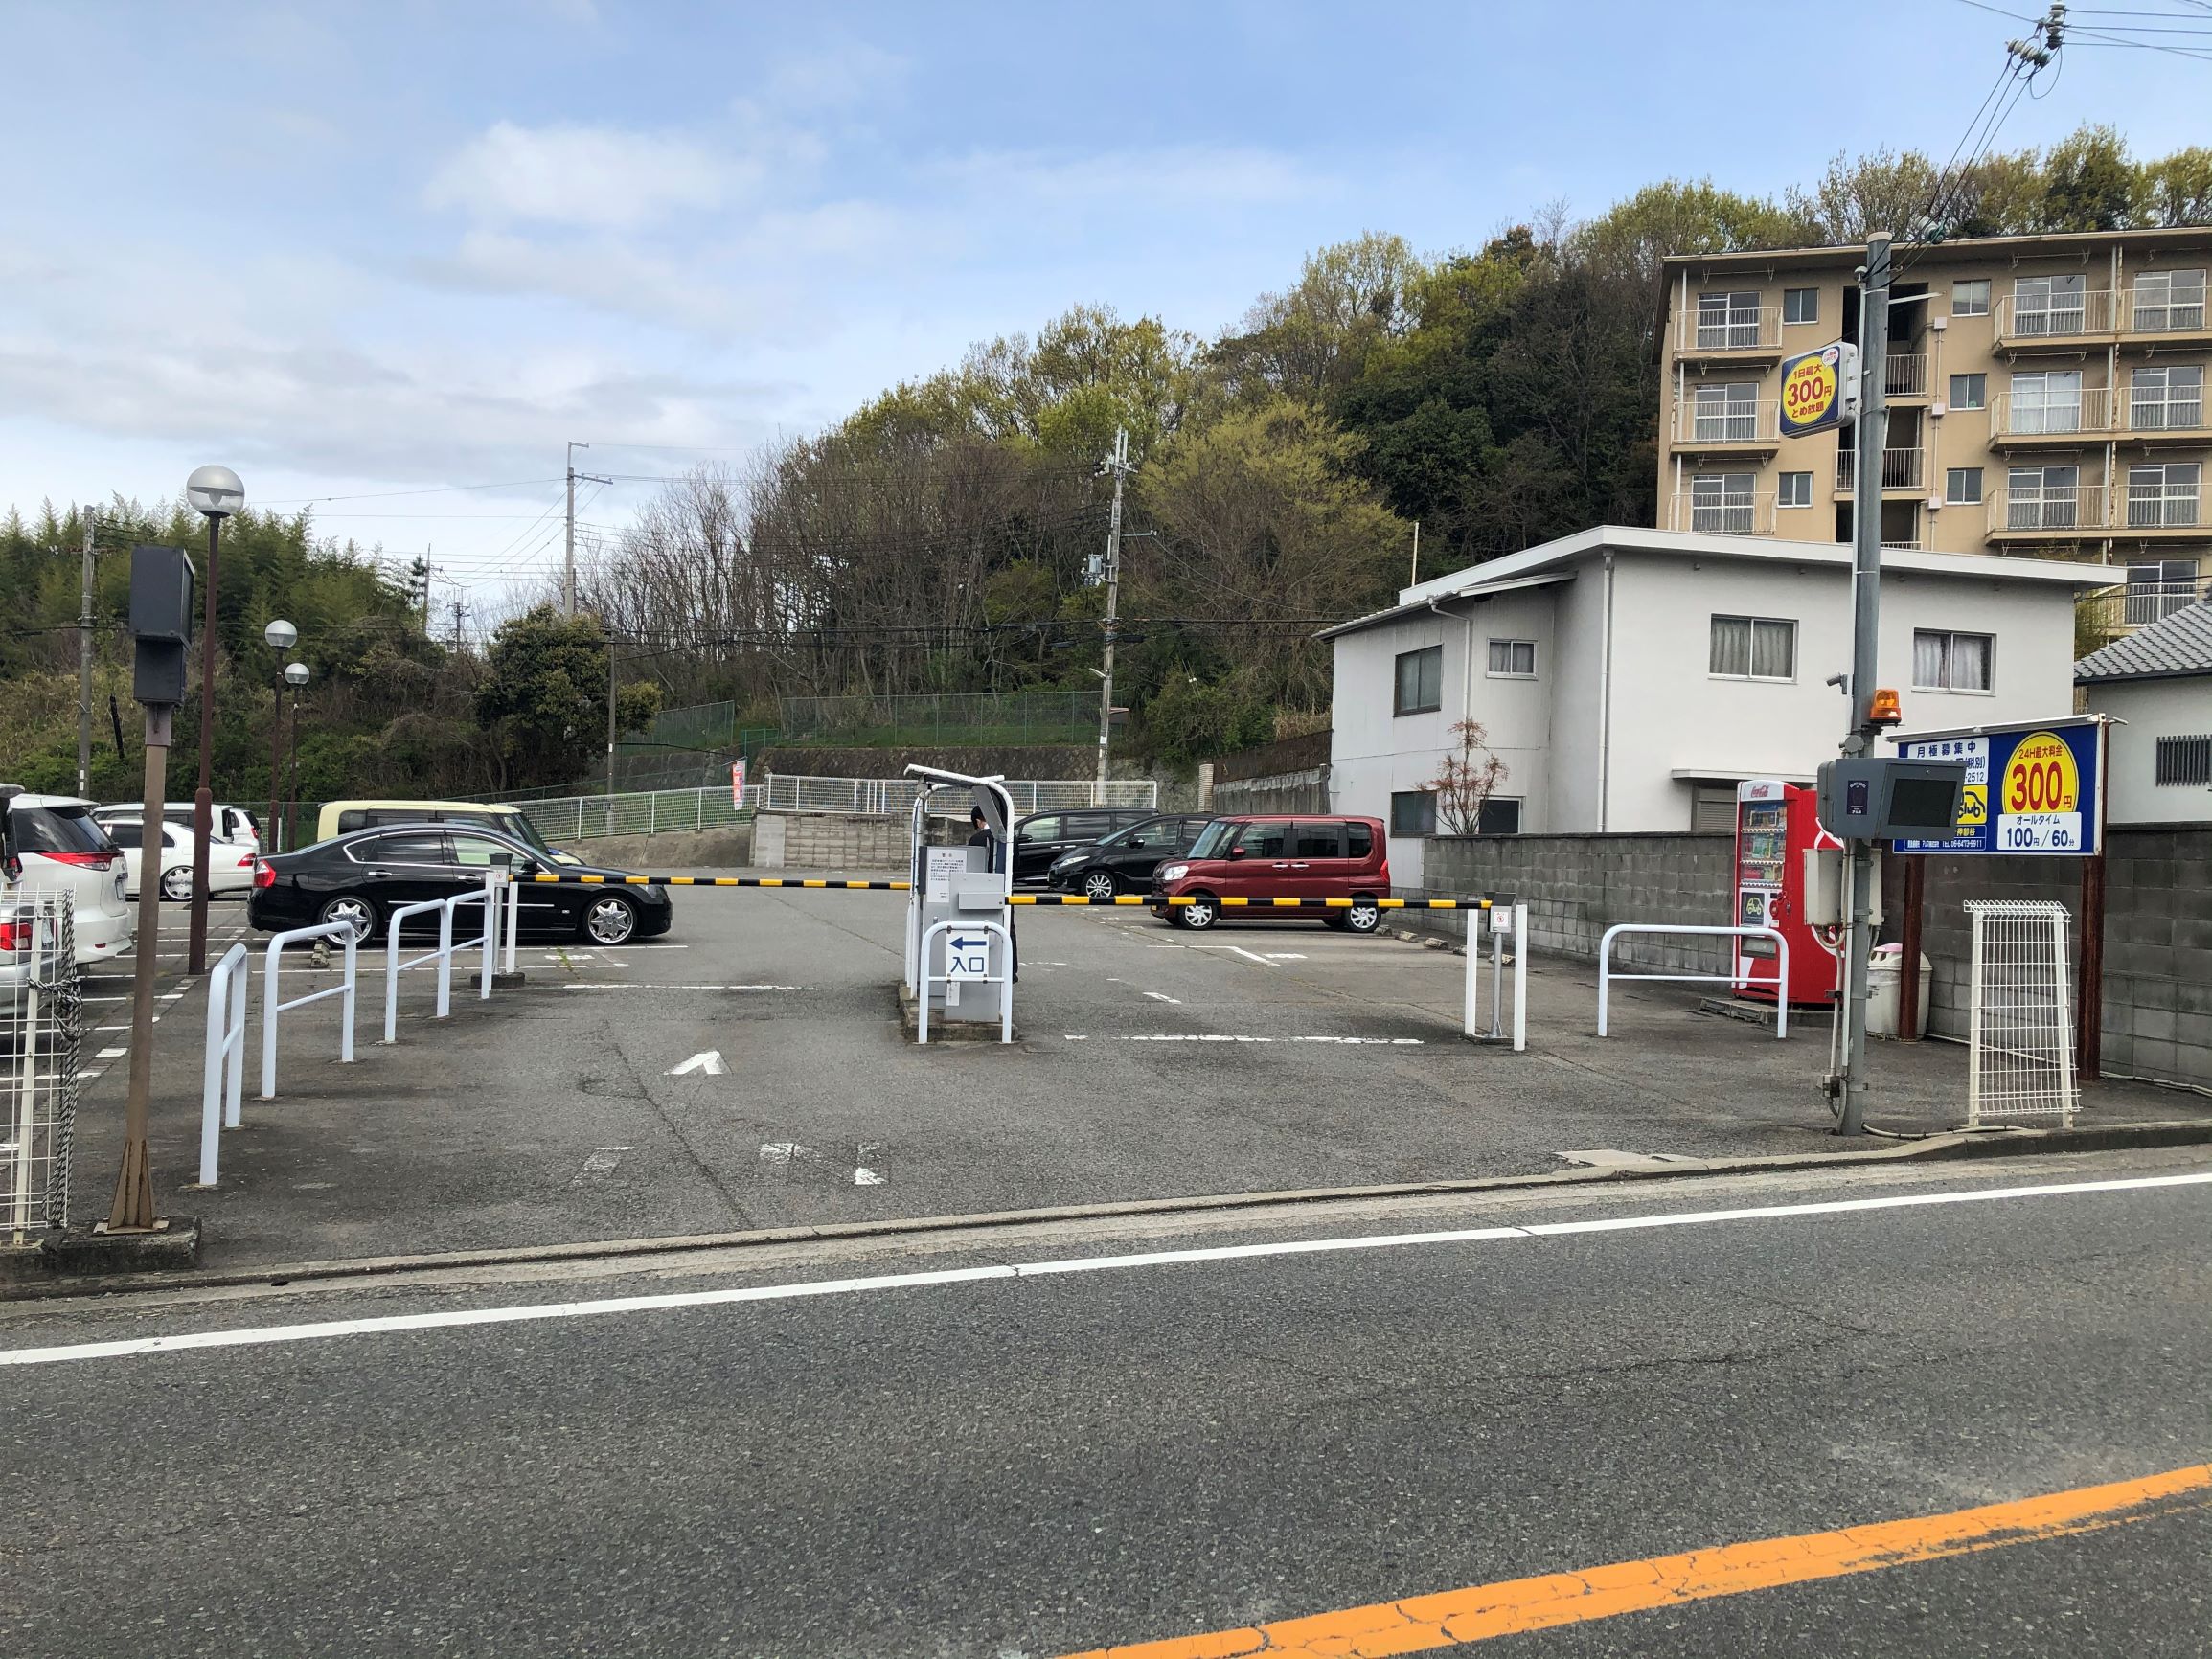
{"x": 1501, "y": 919}
{"x": 967, "y": 956}
{"x": 945, "y": 863}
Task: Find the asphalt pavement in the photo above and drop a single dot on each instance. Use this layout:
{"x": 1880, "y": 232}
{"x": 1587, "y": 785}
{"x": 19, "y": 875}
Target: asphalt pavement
{"x": 1043, "y": 1443}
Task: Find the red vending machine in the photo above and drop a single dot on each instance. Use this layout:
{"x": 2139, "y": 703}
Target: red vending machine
{"x": 1775, "y": 826}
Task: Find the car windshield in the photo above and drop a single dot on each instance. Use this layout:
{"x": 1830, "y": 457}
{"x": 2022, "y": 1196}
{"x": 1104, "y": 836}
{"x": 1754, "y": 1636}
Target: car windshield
{"x": 1144, "y": 828}
{"x": 57, "y": 829}
{"x": 1214, "y": 838}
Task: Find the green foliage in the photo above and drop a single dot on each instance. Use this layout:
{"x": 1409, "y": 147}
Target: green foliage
{"x": 543, "y": 696}
{"x": 1189, "y": 719}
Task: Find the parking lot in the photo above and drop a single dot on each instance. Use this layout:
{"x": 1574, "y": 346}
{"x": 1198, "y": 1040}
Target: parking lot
{"x": 749, "y": 1072}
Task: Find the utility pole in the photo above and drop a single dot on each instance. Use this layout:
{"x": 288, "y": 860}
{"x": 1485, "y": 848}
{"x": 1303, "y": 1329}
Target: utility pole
{"x": 84, "y": 668}
{"x": 1121, "y": 467}
{"x": 1850, "y": 1085}
{"x": 610, "y": 731}
{"x": 460, "y": 609}
{"x": 568, "y": 578}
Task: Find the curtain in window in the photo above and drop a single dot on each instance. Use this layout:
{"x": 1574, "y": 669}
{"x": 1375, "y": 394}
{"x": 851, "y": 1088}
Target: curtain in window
{"x": 1773, "y": 652}
{"x": 1970, "y": 662}
{"x": 1929, "y": 652}
{"x": 1731, "y": 645}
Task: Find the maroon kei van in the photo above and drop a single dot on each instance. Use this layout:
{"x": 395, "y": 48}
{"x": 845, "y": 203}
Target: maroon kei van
{"x": 1264, "y": 856}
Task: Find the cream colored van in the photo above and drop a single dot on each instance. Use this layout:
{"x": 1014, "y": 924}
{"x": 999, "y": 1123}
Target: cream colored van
{"x": 342, "y": 817}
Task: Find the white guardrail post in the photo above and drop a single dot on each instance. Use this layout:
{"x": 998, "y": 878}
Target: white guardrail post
{"x": 1606, "y": 975}
{"x": 487, "y": 942}
{"x": 271, "y": 1007}
{"x": 223, "y": 1073}
{"x": 514, "y": 924}
{"x": 1504, "y": 920}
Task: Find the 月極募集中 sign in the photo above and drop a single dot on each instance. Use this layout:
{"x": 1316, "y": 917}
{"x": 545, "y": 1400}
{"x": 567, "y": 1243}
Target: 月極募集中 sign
{"x": 2029, "y": 789}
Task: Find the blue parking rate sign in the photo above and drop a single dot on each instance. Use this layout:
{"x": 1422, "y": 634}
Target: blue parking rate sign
{"x": 2030, "y": 789}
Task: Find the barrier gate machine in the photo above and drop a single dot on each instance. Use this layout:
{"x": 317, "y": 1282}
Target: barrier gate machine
{"x": 959, "y": 923}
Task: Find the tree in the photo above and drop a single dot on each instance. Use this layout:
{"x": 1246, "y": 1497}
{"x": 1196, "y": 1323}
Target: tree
{"x": 2178, "y": 189}
{"x": 2088, "y": 183}
{"x": 1466, "y": 780}
{"x": 1313, "y": 339}
{"x": 544, "y": 694}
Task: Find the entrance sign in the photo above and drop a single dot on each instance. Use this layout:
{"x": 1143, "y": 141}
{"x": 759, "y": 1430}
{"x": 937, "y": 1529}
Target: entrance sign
{"x": 967, "y": 958}
{"x": 1819, "y": 389}
{"x": 2029, "y": 788}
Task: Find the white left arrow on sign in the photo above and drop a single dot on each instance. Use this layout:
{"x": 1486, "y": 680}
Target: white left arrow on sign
{"x": 709, "y": 1063}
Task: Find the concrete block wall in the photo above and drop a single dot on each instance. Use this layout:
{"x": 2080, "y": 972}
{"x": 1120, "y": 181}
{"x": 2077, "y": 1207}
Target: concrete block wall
{"x": 1577, "y": 886}
{"x": 831, "y": 841}
{"x": 1303, "y": 791}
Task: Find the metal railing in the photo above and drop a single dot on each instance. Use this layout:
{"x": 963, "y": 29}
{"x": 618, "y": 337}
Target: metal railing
{"x": 1756, "y": 329}
{"x": 1505, "y": 920}
{"x": 1003, "y": 978}
{"x": 272, "y": 1006}
{"x": 2163, "y": 504}
{"x": 2097, "y": 313}
{"x": 2062, "y": 508}
{"x": 1738, "y": 513}
{"x": 2123, "y": 607}
{"x": 1905, "y": 374}
{"x": 1754, "y": 423}
{"x": 660, "y": 812}
{"x": 1739, "y": 981}
{"x": 222, "y": 1075}
{"x": 41, "y": 1026}
{"x": 1900, "y": 468}
{"x": 485, "y": 941}
{"x": 2094, "y": 412}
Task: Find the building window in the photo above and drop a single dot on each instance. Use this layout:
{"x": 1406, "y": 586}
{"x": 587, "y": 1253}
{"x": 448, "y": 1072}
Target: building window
{"x": 2050, "y": 305}
{"x": 1752, "y": 647}
{"x": 1796, "y": 489}
{"x": 1512, "y": 659}
{"x": 1728, "y": 321}
{"x": 2167, "y": 399}
{"x": 1722, "y": 504}
{"x": 1419, "y": 681}
{"x": 1500, "y": 815}
{"x": 2046, "y": 400}
{"x": 1962, "y": 485}
{"x": 2043, "y": 498}
{"x": 2167, "y": 301}
{"x": 1949, "y": 662}
{"x": 1725, "y": 414}
{"x": 1413, "y": 813}
{"x": 2163, "y": 497}
{"x": 1969, "y": 298}
{"x": 2184, "y": 761}
{"x": 2158, "y": 588}
{"x": 1969, "y": 391}
{"x": 1801, "y": 305}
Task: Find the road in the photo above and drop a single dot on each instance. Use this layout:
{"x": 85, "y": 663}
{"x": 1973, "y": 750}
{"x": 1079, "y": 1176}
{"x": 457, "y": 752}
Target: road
{"x": 1322, "y": 1410}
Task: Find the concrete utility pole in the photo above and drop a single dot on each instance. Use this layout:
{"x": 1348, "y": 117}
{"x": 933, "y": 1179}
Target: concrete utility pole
{"x": 568, "y": 578}
{"x": 1858, "y": 738}
{"x": 610, "y": 727}
{"x": 1121, "y": 467}
{"x": 84, "y": 669}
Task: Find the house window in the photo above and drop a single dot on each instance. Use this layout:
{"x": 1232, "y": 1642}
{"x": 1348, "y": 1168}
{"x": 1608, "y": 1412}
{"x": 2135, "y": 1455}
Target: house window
{"x": 1801, "y": 305}
{"x": 1750, "y": 647}
{"x": 2184, "y": 761}
{"x": 2050, "y": 305}
{"x": 2169, "y": 397}
{"x": 1725, "y": 414}
{"x": 1512, "y": 659}
{"x": 1413, "y": 813}
{"x": 1419, "y": 681}
{"x": 2157, "y": 588}
{"x": 1969, "y": 391}
{"x": 1962, "y": 485}
{"x": 1729, "y": 321}
{"x": 2163, "y": 497}
{"x": 1949, "y": 662}
{"x": 1500, "y": 815}
{"x": 2166, "y": 301}
{"x": 2043, "y": 498}
{"x": 1796, "y": 489}
{"x": 1722, "y": 503}
{"x": 1969, "y": 298}
{"x": 2047, "y": 400}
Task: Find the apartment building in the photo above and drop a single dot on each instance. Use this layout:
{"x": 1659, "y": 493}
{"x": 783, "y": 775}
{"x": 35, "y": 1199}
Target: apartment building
{"x": 2046, "y": 399}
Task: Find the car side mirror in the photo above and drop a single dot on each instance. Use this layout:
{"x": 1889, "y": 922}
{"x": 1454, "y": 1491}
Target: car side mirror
{"x": 1235, "y": 852}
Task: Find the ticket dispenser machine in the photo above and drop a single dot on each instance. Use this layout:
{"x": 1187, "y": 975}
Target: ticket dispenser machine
{"x": 959, "y": 926}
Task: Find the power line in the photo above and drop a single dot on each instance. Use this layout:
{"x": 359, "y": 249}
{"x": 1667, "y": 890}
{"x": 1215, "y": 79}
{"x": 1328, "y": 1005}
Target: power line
{"x": 388, "y": 494}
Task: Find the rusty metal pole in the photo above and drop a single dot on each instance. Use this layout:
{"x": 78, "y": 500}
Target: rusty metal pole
{"x": 203, "y": 798}
{"x": 133, "y": 1211}
{"x": 1908, "y": 938}
{"x": 2090, "y": 971}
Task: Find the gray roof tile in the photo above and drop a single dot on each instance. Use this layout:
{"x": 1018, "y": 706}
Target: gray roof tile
{"x": 2180, "y": 643}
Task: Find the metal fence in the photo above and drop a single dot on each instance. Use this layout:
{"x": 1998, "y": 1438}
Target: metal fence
{"x": 942, "y": 717}
{"x": 2021, "y": 1029}
{"x": 42, "y": 1024}
{"x": 665, "y": 811}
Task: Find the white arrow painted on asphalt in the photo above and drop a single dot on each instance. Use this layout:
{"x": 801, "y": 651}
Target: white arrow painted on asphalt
{"x": 710, "y": 1063}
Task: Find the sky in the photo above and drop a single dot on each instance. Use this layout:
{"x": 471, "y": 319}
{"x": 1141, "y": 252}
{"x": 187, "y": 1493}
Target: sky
{"x": 354, "y": 250}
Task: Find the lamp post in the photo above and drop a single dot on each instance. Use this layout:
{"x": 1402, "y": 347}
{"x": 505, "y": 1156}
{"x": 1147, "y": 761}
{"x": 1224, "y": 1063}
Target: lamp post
{"x": 296, "y": 675}
{"x": 215, "y": 493}
{"x": 281, "y": 637}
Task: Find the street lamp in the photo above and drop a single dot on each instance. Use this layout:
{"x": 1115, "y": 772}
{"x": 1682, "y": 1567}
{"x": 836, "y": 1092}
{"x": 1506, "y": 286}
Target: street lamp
{"x": 296, "y": 675}
{"x": 281, "y": 636}
{"x": 215, "y": 493}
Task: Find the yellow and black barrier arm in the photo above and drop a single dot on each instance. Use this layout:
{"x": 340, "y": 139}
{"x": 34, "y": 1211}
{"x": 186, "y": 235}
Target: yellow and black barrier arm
{"x": 1231, "y": 902}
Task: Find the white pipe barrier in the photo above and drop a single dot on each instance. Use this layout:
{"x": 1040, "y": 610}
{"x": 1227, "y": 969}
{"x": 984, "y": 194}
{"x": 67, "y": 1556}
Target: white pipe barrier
{"x": 514, "y": 924}
{"x": 1004, "y": 977}
{"x": 487, "y": 942}
{"x": 341, "y": 931}
{"x": 1606, "y": 975}
{"x": 1503, "y": 920}
{"x": 223, "y": 1073}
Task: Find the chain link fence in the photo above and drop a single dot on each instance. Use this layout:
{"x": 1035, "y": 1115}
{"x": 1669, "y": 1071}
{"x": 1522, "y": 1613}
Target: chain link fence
{"x": 41, "y": 1025}
{"x": 665, "y": 811}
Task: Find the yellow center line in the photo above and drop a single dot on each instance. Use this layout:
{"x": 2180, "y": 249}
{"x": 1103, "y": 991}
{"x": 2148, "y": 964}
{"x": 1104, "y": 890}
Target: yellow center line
{"x": 1450, "y": 1618}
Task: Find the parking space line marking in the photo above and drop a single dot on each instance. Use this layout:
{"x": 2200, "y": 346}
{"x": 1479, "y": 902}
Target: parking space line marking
{"x": 255, "y": 1336}
{"x": 1162, "y": 996}
{"x": 1220, "y": 1037}
{"x": 642, "y": 985}
{"x": 1453, "y": 1617}
{"x": 110, "y": 1054}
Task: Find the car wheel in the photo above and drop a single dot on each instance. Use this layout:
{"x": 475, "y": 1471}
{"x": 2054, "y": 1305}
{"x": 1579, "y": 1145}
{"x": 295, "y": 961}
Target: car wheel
{"x": 610, "y": 921}
{"x": 1364, "y": 917}
{"x": 176, "y": 883}
{"x": 1199, "y": 913}
{"x": 357, "y": 912}
{"x": 1100, "y": 887}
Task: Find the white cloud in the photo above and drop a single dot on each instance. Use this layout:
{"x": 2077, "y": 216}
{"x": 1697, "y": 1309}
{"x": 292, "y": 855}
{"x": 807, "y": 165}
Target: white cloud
{"x": 601, "y": 177}
{"x": 1179, "y": 176}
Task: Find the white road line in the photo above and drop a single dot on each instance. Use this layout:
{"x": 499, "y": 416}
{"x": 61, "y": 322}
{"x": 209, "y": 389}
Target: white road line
{"x": 642, "y": 985}
{"x": 786, "y": 1151}
{"x": 600, "y": 1163}
{"x": 1247, "y": 955}
{"x": 1217, "y": 1038}
{"x": 707, "y": 1061}
{"x": 1162, "y": 996}
{"x": 110, "y": 1054}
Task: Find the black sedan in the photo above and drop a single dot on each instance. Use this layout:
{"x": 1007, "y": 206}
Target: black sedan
{"x": 1123, "y": 861}
{"x": 364, "y": 876}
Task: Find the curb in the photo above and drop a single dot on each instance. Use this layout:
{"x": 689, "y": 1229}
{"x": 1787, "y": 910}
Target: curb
{"x": 1958, "y": 1146}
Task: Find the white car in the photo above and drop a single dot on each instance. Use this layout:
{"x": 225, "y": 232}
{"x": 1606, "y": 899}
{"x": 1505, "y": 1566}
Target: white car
{"x": 62, "y": 849}
{"x": 230, "y": 864}
{"x": 229, "y": 823}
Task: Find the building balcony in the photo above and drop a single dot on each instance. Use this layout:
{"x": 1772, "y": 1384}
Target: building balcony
{"x": 1904, "y": 374}
{"x": 2098, "y": 316}
{"x": 1743, "y": 334}
{"x": 1746, "y": 429}
{"x": 2153, "y": 512}
{"x": 1737, "y": 513}
{"x": 2110, "y": 612}
{"x": 2094, "y": 415}
{"x": 1900, "y": 468}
